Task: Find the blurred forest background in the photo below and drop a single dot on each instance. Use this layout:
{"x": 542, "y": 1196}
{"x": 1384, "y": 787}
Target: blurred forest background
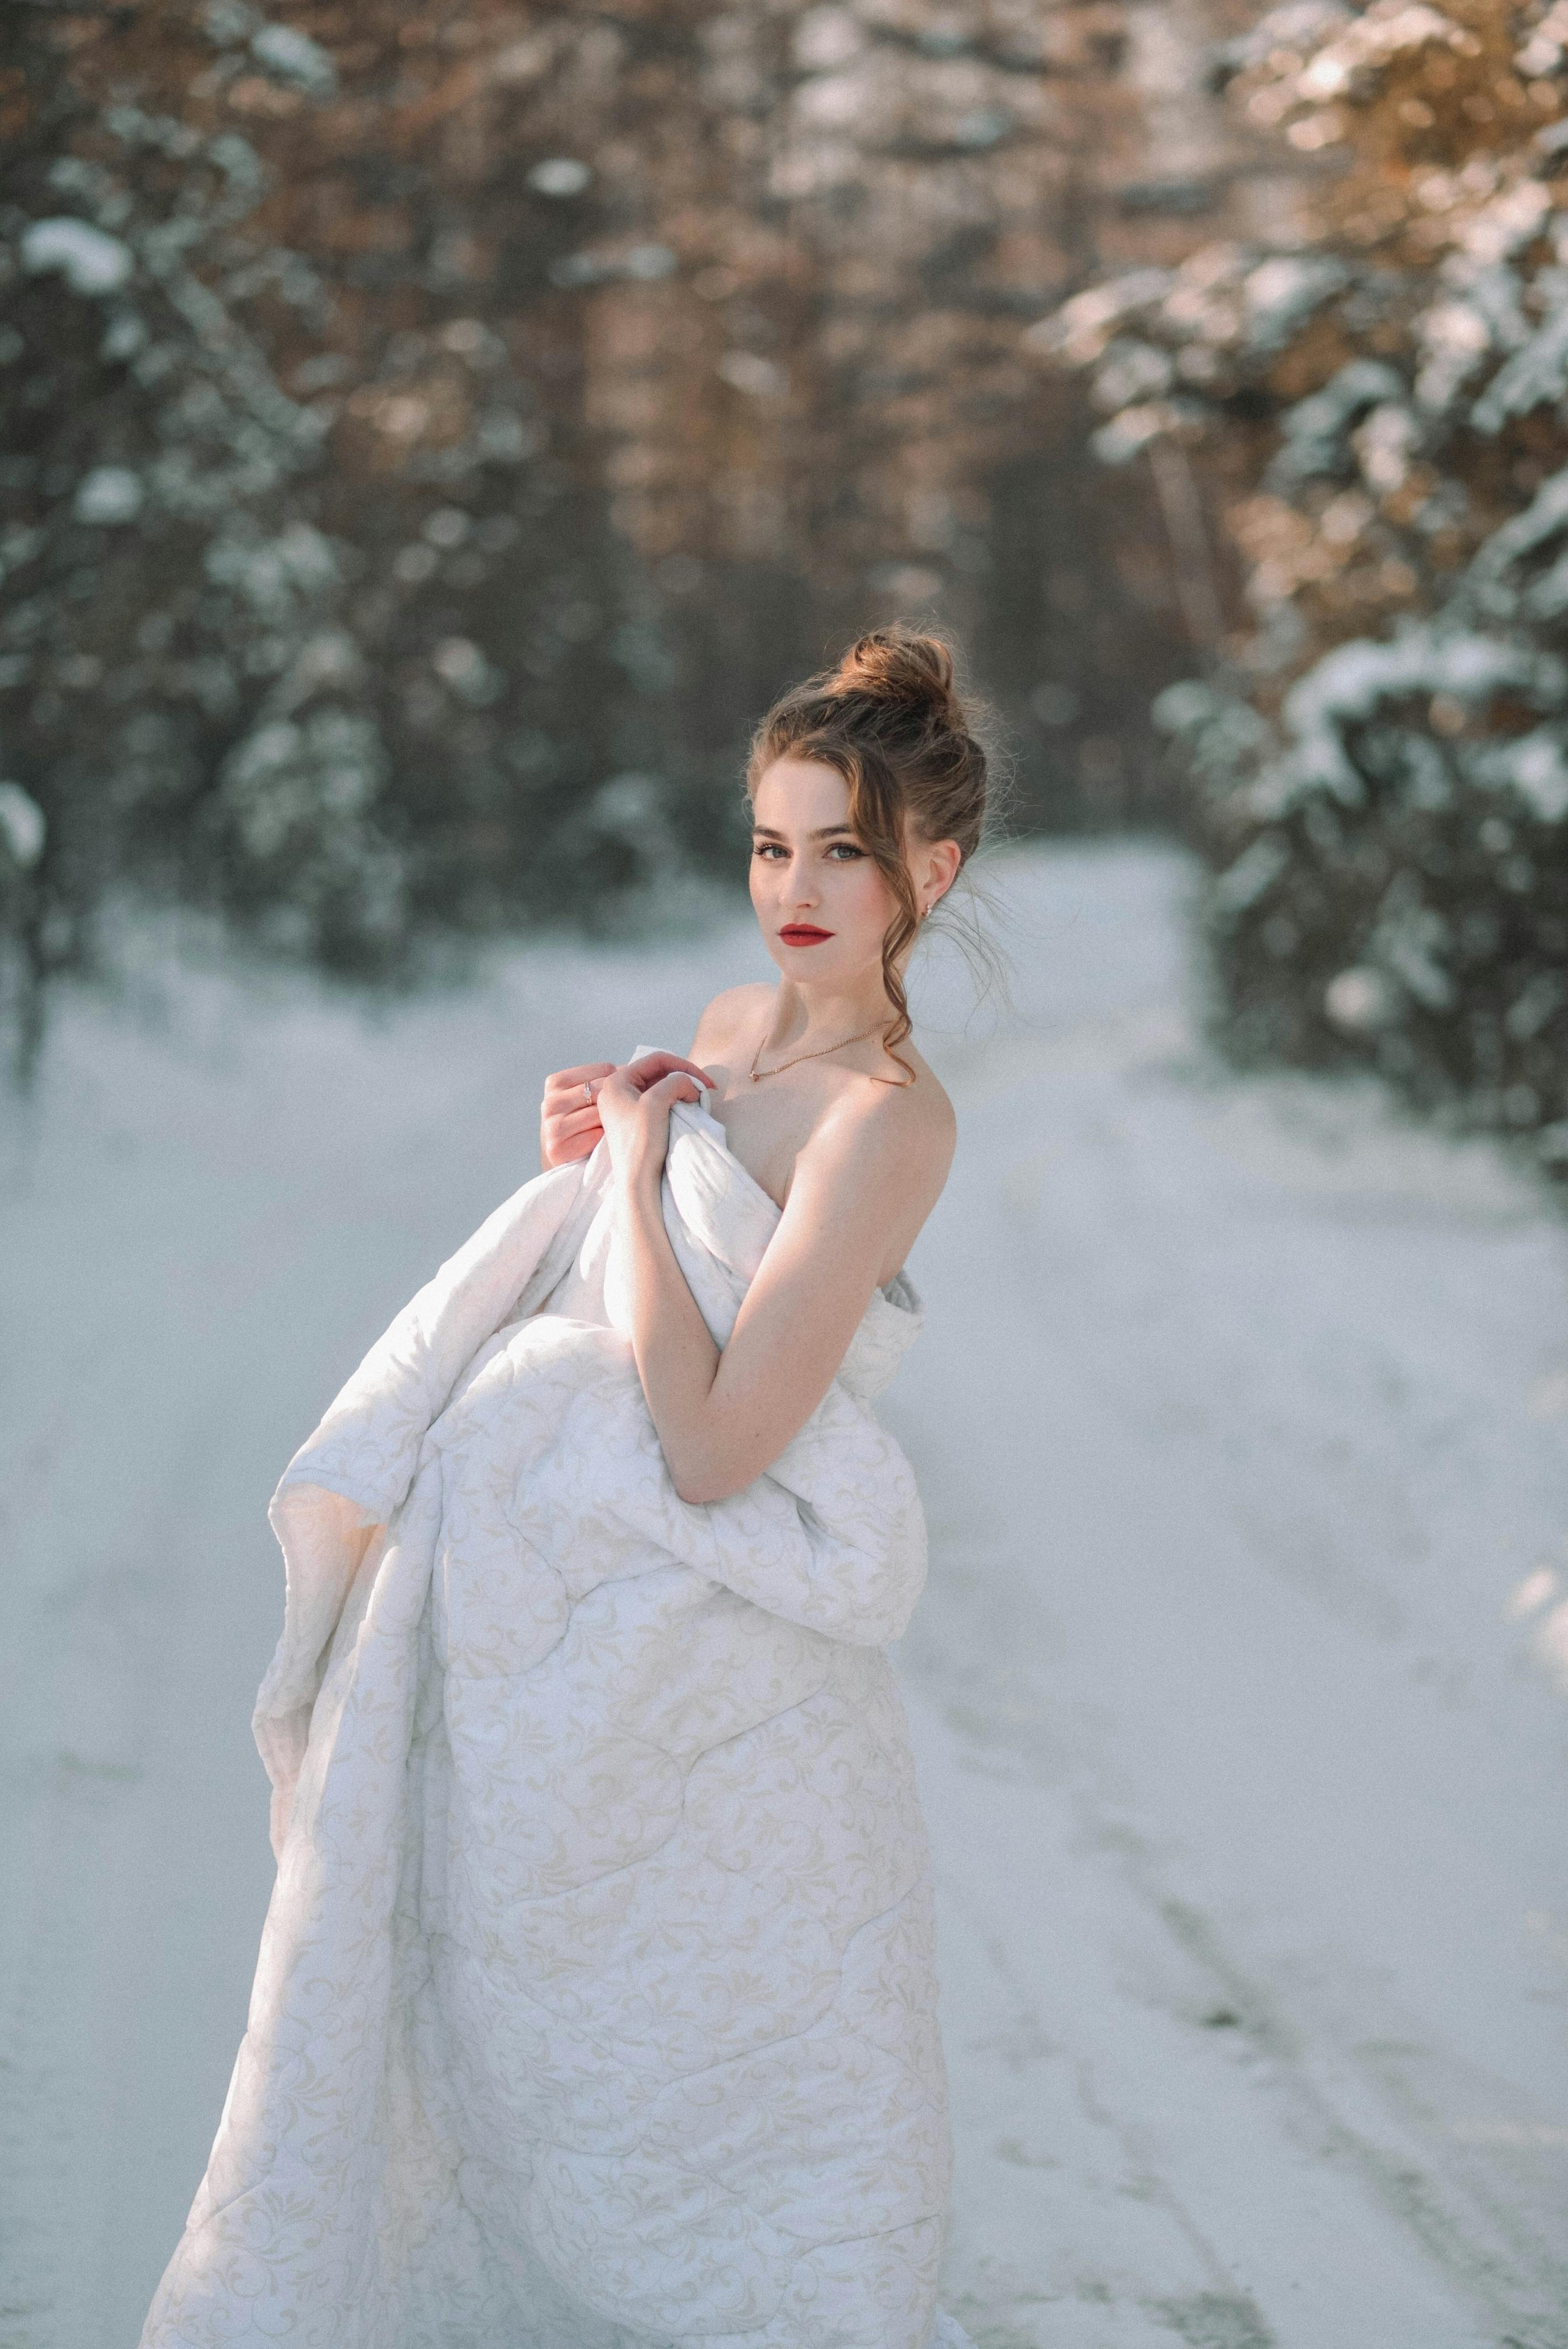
{"x": 434, "y": 430}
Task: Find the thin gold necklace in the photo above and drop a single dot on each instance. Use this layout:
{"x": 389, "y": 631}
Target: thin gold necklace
{"x": 842, "y": 1045}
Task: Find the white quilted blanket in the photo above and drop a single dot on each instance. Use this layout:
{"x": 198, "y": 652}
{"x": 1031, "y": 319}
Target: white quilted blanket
{"x": 595, "y": 2003}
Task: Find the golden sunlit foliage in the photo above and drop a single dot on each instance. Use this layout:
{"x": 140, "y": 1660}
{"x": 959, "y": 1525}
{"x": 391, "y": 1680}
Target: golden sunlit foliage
{"x": 436, "y": 428}
{"x": 1376, "y": 409}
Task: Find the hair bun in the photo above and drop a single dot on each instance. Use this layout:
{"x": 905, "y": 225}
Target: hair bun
{"x": 897, "y": 666}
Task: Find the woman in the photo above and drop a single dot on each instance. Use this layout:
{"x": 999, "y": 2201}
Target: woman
{"x": 595, "y": 2002}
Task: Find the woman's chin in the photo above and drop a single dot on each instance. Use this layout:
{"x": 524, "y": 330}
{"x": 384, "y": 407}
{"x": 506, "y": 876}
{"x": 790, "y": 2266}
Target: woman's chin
{"x": 813, "y": 965}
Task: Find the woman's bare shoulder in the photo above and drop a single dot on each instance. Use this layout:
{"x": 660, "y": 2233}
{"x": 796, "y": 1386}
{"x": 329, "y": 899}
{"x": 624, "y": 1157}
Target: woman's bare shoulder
{"x": 921, "y": 1116}
{"x": 907, "y": 1131}
{"x": 736, "y": 1012}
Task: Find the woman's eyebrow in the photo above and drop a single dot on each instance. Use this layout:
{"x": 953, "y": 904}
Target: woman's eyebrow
{"x": 827, "y": 832}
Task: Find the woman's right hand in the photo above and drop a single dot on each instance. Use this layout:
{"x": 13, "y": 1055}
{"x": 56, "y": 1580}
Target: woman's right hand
{"x": 570, "y": 1126}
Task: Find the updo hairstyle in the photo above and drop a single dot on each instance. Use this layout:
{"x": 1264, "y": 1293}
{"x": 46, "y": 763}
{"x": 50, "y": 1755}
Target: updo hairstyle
{"x": 890, "y": 719}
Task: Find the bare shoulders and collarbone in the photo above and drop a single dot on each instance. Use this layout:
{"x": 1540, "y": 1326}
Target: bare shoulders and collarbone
{"x": 852, "y": 1110}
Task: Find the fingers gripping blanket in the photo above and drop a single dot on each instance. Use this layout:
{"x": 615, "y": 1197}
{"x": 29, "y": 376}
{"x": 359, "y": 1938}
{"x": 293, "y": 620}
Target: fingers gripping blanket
{"x": 595, "y": 2006}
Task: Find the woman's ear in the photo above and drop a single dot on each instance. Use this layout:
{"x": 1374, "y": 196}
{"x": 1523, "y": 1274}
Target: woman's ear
{"x": 936, "y": 869}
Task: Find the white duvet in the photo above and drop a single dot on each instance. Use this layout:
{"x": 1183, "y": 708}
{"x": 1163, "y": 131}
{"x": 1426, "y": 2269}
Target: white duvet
{"x": 595, "y": 2002}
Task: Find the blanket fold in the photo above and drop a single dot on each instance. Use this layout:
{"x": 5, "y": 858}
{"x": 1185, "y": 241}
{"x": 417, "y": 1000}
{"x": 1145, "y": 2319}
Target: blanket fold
{"x": 595, "y": 2003}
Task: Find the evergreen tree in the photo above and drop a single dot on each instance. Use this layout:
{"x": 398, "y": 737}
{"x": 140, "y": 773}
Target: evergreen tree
{"x": 1374, "y": 408}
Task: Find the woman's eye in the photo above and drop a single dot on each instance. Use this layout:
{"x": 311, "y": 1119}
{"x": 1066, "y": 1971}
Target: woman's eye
{"x": 844, "y": 850}
{"x": 768, "y": 848}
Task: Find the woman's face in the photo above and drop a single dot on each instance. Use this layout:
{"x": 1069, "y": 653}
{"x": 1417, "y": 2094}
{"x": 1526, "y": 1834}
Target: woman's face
{"x": 820, "y": 898}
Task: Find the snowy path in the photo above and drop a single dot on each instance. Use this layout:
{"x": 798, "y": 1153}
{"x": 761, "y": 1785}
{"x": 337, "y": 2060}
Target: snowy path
{"x": 1241, "y": 1687}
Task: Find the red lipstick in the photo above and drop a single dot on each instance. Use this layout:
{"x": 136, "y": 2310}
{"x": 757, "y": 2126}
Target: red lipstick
{"x": 803, "y": 934}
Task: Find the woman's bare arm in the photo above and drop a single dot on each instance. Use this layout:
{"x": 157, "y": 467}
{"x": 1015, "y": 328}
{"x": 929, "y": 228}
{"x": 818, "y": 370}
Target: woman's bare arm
{"x": 723, "y": 1417}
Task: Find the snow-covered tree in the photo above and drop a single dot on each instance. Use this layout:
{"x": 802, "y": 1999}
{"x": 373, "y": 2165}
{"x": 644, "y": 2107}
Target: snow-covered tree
{"x": 435, "y": 428}
{"x": 1376, "y": 411}
{"x": 306, "y": 613}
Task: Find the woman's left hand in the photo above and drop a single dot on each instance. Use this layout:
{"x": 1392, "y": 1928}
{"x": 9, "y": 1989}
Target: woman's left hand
{"x": 635, "y": 1106}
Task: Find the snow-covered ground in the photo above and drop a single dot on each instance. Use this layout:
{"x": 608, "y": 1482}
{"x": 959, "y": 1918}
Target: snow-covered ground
{"x": 1241, "y": 1687}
